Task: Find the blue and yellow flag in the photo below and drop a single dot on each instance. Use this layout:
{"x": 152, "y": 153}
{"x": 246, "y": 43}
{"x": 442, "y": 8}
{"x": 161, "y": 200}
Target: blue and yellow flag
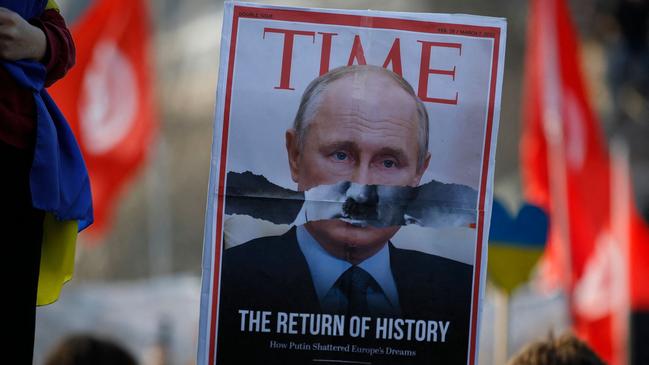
{"x": 515, "y": 244}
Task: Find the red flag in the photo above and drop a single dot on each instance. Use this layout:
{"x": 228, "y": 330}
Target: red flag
{"x": 639, "y": 256}
{"x": 631, "y": 234}
{"x": 108, "y": 98}
{"x": 566, "y": 169}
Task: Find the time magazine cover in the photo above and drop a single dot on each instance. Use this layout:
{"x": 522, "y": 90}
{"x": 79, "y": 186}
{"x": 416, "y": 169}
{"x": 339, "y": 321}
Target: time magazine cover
{"x": 350, "y": 186}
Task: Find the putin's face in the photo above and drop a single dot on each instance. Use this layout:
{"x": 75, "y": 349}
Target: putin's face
{"x": 365, "y": 130}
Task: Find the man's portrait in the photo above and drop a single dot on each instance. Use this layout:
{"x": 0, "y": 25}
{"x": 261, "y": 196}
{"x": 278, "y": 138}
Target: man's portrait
{"x": 356, "y": 151}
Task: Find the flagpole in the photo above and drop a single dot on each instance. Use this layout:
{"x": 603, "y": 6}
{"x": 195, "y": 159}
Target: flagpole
{"x": 501, "y": 325}
{"x": 553, "y": 130}
{"x": 620, "y": 196}
{"x": 159, "y": 223}
{"x": 560, "y": 207}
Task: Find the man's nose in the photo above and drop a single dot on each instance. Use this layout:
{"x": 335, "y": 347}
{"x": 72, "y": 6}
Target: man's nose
{"x": 361, "y": 174}
{"x": 361, "y": 193}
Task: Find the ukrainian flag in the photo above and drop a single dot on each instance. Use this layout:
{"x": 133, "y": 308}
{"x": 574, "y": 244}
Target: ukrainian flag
{"x": 515, "y": 244}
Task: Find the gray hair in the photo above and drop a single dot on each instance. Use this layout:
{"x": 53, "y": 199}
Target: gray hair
{"x": 311, "y": 100}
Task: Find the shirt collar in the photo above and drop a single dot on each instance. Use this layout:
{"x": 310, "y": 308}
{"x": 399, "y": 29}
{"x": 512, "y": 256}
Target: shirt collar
{"x": 325, "y": 268}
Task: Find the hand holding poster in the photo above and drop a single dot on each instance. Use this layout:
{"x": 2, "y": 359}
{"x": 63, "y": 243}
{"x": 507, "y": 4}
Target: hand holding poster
{"x": 350, "y": 187}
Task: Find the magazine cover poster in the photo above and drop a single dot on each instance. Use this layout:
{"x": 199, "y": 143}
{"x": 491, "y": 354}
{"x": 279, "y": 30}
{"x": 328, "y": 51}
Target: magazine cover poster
{"x": 350, "y": 186}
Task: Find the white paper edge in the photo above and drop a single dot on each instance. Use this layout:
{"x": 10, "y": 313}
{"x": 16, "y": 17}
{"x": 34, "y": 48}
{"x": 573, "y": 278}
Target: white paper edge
{"x": 467, "y": 19}
{"x": 209, "y": 234}
{"x": 490, "y": 183}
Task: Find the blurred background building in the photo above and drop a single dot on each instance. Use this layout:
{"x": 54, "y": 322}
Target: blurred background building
{"x": 140, "y": 283}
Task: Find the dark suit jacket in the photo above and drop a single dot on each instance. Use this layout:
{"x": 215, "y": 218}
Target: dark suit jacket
{"x": 271, "y": 274}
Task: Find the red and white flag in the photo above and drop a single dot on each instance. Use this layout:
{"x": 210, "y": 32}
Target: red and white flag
{"x": 108, "y": 98}
{"x": 566, "y": 170}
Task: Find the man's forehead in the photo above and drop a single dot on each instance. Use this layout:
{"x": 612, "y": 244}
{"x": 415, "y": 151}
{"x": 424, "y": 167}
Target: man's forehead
{"x": 370, "y": 90}
{"x": 371, "y": 103}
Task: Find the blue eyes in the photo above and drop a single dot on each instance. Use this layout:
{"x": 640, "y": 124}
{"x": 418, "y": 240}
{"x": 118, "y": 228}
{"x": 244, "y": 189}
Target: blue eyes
{"x": 340, "y": 156}
{"x": 389, "y": 164}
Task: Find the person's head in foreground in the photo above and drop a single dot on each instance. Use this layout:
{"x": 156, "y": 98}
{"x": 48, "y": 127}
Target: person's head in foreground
{"x": 565, "y": 350}
{"x": 85, "y": 349}
{"x": 362, "y": 124}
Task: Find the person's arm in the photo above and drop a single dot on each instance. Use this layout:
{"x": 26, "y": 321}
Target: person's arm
{"x": 59, "y": 56}
{"x": 45, "y": 39}
{"x": 19, "y": 39}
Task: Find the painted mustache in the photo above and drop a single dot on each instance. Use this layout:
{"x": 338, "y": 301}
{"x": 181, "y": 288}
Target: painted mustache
{"x": 357, "y": 204}
{"x": 434, "y": 204}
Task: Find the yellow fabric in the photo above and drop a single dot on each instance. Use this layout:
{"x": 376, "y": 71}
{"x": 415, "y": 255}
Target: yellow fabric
{"x": 511, "y": 265}
{"x": 57, "y": 258}
{"x": 51, "y": 4}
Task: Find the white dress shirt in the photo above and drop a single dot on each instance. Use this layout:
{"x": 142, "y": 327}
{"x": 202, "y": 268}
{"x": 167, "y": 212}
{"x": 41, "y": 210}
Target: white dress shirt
{"x": 326, "y": 269}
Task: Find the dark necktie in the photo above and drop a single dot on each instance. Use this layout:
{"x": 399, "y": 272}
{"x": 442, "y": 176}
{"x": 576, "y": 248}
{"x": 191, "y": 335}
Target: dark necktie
{"x": 354, "y": 284}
